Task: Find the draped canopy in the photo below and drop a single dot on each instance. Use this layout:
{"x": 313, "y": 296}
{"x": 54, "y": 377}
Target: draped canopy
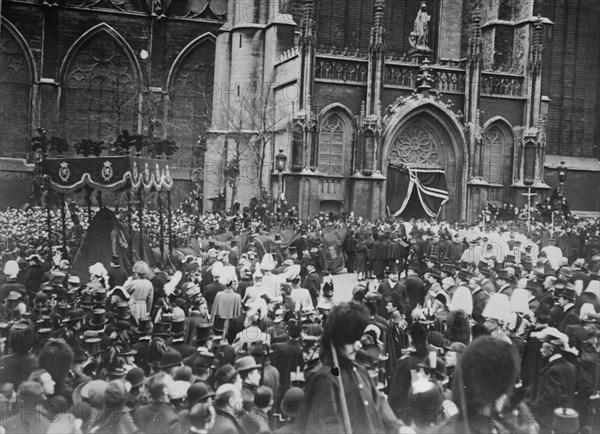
{"x": 68, "y": 175}
{"x": 415, "y": 192}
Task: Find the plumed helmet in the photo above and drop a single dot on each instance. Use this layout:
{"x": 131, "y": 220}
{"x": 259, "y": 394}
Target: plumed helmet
{"x": 519, "y": 300}
{"x": 293, "y": 272}
{"x": 557, "y": 339}
{"x": 217, "y": 269}
{"x": 170, "y": 286}
{"x": 267, "y": 263}
{"x": 98, "y": 270}
{"x": 498, "y": 308}
{"x": 462, "y": 300}
{"x": 11, "y": 268}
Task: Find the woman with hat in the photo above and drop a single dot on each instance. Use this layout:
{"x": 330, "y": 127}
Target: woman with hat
{"x": 556, "y": 387}
{"x": 113, "y": 417}
{"x": 98, "y": 278}
{"x": 11, "y": 270}
{"x": 228, "y": 303}
{"x": 341, "y": 396}
{"x": 141, "y": 291}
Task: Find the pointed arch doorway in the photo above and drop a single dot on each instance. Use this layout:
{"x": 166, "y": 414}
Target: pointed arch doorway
{"x": 424, "y": 164}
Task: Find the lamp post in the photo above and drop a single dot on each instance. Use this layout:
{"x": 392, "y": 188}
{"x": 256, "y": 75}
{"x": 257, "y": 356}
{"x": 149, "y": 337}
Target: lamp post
{"x": 528, "y": 183}
{"x": 562, "y": 177}
{"x": 280, "y": 162}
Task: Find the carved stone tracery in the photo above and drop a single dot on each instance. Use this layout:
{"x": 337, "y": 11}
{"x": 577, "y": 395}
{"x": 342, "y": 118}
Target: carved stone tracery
{"x": 101, "y": 91}
{"x": 414, "y": 146}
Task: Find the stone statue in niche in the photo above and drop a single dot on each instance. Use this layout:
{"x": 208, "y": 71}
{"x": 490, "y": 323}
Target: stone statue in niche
{"x": 158, "y": 7}
{"x": 418, "y": 37}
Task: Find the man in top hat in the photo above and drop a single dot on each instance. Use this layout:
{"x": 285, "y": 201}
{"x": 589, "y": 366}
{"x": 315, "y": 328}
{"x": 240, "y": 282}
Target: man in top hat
{"x": 506, "y": 284}
{"x": 198, "y": 314}
{"x": 566, "y": 300}
{"x": 177, "y": 341}
{"x": 72, "y": 327}
{"x": 301, "y": 243}
{"x": 277, "y": 330}
{"x": 262, "y": 355}
{"x": 245, "y": 279}
{"x": 454, "y": 249}
{"x": 393, "y": 292}
{"x": 487, "y": 284}
{"x": 34, "y": 275}
{"x": 142, "y": 346}
{"x": 579, "y": 274}
{"x": 75, "y": 375}
{"x": 276, "y": 249}
{"x": 544, "y": 264}
{"x": 116, "y": 275}
{"x": 556, "y": 387}
{"x": 480, "y": 298}
{"x": 202, "y": 363}
{"x": 312, "y": 282}
{"x": 212, "y": 289}
{"x": 288, "y": 356}
{"x": 204, "y": 336}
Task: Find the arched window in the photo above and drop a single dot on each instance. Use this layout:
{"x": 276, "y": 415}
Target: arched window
{"x": 497, "y": 155}
{"x": 15, "y": 99}
{"x": 333, "y": 136}
{"x": 101, "y": 91}
{"x": 297, "y": 148}
{"x": 191, "y": 91}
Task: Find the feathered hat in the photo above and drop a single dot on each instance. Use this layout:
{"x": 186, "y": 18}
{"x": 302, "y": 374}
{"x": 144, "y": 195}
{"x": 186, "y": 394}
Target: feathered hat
{"x": 498, "y": 308}
{"x": 267, "y": 263}
{"x": 170, "y": 286}
{"x": 462, "y": 300}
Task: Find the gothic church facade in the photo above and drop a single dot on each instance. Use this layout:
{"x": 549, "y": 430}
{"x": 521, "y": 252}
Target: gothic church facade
{"x": 381, "y": 107}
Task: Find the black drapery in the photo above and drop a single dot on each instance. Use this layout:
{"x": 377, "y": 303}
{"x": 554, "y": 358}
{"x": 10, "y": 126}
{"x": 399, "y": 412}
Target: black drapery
{"x": 414, "y": 193}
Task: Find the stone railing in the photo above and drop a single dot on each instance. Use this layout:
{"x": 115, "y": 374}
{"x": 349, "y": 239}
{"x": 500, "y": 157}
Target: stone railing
{"x": 502, "y": 85}
{"x": 341, "y": 69}
{"x": 449, "y": 78}
{"x": 404, "y": 76}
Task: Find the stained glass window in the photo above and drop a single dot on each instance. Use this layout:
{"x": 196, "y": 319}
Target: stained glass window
{"x": 332, "y": 137}
{"x": 15, "y": 90}
{"x": 101, "y": 95}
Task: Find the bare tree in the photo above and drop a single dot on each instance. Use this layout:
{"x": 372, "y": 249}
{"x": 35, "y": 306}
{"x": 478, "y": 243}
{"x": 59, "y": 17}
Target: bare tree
{"x": 250, "y": 126}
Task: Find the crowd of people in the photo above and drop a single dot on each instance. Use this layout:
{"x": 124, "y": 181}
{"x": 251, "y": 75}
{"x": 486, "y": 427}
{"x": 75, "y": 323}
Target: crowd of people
{"x": 445, "y": 328}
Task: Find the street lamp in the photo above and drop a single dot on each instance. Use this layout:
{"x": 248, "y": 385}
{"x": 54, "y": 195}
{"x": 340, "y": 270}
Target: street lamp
{"x": 280, "y": 163}
{"x": 528, "y": 183}
{"x": 562, "y": 177}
